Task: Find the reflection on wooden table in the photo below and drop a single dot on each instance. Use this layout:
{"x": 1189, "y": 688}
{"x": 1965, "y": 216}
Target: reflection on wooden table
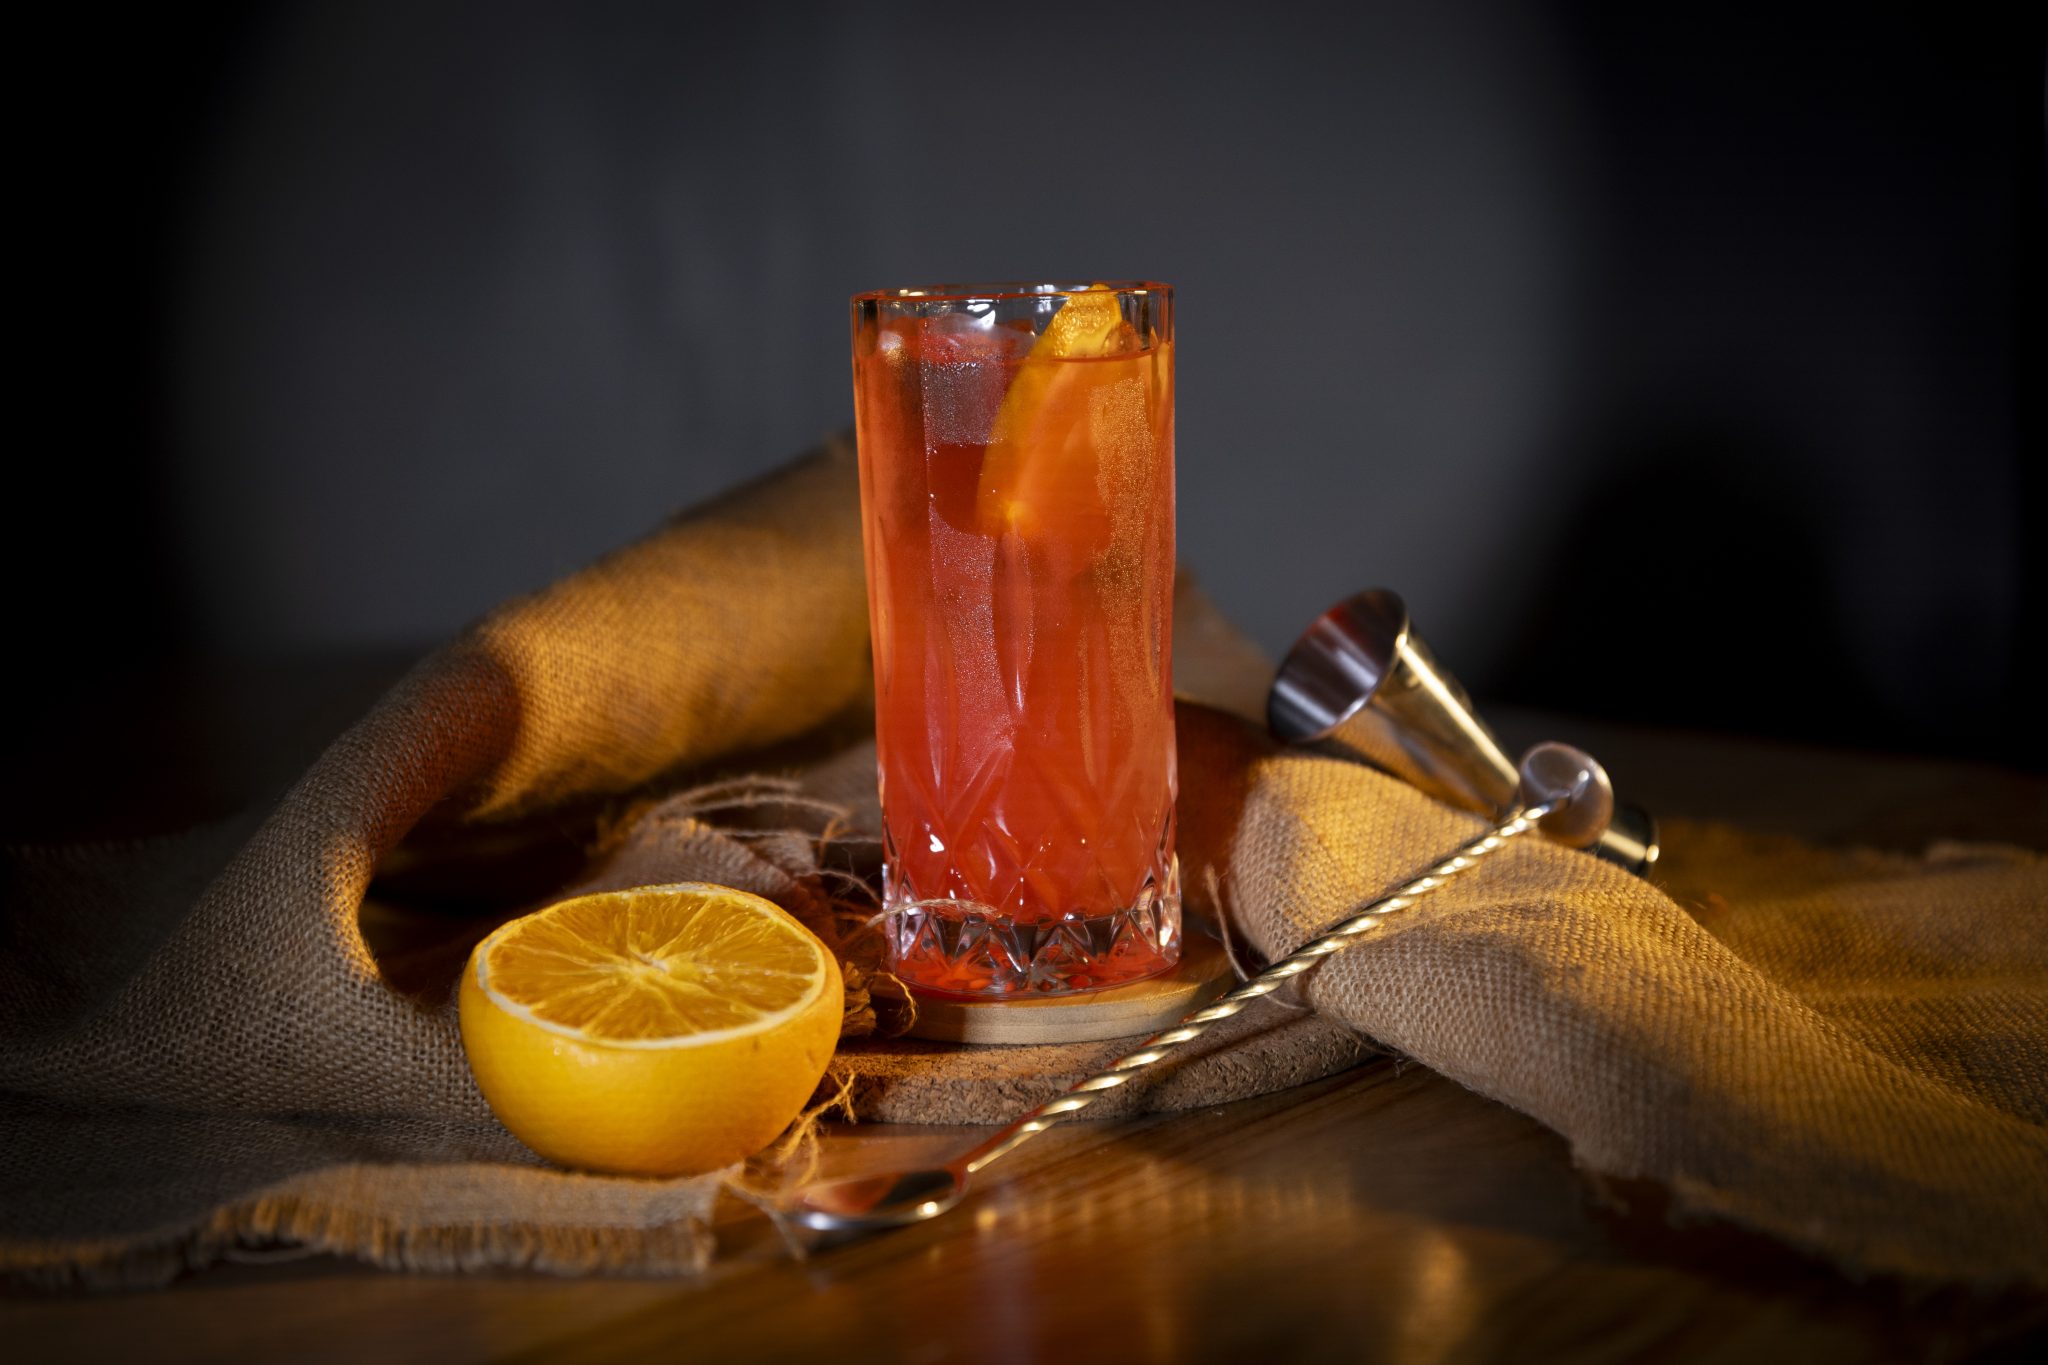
{"x": 1381, "y": 1214}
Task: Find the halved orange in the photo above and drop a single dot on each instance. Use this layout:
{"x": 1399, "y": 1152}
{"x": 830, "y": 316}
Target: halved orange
{"x": 664, "y": 1030}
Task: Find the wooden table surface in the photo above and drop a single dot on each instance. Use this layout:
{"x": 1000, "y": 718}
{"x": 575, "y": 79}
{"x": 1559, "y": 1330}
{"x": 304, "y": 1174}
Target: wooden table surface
{"x": 1385, "y": 1214}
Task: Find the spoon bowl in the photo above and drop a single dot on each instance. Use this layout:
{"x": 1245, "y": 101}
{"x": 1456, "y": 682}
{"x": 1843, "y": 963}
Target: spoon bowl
{"x": 891, "y": 1199}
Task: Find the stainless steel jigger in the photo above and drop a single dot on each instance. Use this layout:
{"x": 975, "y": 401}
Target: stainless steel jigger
{"x": 1362, "y": 680}
{"x": 1560, "y": 791}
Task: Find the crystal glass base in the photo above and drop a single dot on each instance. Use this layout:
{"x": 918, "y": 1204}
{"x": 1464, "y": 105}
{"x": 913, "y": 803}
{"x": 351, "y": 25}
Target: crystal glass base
{"x": 966, "y": 949}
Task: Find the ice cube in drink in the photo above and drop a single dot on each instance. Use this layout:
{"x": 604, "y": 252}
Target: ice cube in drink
{"x": 1016, "y": 455}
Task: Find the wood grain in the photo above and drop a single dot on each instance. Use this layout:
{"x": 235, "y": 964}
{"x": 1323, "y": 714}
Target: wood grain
{"x": 1380, "y": 1214}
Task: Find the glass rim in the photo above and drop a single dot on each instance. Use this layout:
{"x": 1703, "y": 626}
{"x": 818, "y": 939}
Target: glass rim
{"x": 998, "y": 290}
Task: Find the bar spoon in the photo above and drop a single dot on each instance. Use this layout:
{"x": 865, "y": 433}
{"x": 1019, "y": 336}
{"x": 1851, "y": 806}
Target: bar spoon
{"x": 1562, "y": 792}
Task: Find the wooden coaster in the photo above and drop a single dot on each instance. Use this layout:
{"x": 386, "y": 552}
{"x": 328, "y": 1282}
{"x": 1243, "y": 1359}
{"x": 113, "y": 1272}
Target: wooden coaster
{"x": 910, "y": 1080}
{"x": 1121, "y": 1012}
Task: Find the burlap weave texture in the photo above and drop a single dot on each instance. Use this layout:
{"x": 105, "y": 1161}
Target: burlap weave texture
{"x": 198, "y": 1046}
{"x": 1843, "y": 1049}
{"x": 191, "y": 1062}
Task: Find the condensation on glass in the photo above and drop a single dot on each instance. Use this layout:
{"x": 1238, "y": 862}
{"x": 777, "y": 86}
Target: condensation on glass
{"x": 1016, "y": 460}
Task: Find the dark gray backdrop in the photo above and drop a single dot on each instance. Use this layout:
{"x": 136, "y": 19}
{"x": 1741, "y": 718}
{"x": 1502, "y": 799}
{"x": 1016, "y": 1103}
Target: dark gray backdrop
{"x": 1648, "y": 356}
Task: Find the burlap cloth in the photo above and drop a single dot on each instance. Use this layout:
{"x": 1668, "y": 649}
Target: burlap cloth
{"x": 224, "y": 1040}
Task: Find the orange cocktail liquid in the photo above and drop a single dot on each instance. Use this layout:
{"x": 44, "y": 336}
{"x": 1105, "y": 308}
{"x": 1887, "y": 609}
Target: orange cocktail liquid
{"x": 1019, "y": 529}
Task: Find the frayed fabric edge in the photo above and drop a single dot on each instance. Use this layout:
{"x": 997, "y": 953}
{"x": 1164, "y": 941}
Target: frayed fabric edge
{"x": 291, "y": 1226}
{"x": 281, "y": 1225}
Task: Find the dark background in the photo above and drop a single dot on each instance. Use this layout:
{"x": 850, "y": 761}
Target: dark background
{"x": 1679, "y": 363}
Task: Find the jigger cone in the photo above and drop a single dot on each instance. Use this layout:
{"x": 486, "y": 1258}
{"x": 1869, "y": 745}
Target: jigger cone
{"x": 1361, "y": 680}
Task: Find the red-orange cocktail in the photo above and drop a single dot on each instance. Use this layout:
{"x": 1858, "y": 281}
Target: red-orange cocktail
{"x": 1016, "y": 460}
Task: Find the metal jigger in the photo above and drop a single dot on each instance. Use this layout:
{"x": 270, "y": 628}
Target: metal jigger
{"x": 1361, "y": 680}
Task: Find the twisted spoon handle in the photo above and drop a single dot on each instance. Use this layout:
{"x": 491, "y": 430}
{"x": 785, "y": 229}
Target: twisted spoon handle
{"x": 1084, "y": 1093}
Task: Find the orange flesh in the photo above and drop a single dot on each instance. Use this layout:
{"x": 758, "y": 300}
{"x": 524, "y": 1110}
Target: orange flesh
{"x": 637, "y": 968}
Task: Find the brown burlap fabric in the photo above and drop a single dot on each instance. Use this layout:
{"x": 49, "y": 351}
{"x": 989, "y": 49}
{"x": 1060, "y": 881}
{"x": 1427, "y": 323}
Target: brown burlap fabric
{"x": 1843, "y": 1049}
{"x": 191, "y": 1064}
{"x": 217, "y": 1041}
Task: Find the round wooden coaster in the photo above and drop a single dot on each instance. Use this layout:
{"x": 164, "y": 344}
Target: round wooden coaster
{"x": 1121, "y": 1012}
{"x": 1269, "y": 1047}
